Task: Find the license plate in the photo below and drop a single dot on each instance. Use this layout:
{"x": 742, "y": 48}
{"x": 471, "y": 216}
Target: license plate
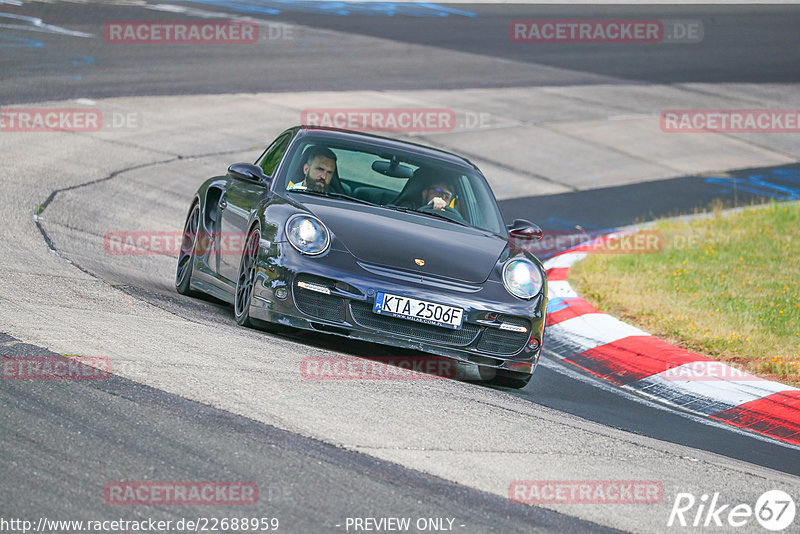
{"x": 420, "y": 311}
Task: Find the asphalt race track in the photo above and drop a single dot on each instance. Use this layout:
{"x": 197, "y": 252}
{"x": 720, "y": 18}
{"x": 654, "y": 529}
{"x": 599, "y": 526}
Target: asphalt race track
{"x": 567, "y": 135}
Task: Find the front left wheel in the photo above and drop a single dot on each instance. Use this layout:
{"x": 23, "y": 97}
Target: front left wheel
{"x": 183, "y": 274}
{"x": 246, "y": 280}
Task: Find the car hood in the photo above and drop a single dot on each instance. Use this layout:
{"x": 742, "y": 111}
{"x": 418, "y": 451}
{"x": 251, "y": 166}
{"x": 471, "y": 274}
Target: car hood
{"x": 397, "y": 240}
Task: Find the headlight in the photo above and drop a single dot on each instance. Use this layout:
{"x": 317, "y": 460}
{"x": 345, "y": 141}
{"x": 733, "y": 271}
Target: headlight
{"x": 307, "y": 234}
{"x": 522, "y": 278}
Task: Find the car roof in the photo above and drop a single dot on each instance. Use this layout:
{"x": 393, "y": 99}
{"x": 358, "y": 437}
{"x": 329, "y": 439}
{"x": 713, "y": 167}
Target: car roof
{"x": 338, "y": 133}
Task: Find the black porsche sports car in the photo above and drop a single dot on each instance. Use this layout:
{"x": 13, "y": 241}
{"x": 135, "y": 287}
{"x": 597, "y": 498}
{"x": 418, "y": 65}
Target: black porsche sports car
{"x": 375, "y": 239}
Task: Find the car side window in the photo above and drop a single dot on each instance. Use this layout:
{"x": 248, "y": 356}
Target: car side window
{"x": 273, "y": 155}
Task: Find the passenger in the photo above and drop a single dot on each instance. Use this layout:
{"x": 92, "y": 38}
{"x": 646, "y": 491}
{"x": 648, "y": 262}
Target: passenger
{"x": 437, "y": 196}
{"x": 318, "y": 170}
{"x": 434, "y": 191}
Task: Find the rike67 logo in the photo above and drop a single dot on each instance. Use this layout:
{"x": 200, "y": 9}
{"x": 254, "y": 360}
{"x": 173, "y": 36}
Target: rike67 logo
{"x": 774, "y": 510}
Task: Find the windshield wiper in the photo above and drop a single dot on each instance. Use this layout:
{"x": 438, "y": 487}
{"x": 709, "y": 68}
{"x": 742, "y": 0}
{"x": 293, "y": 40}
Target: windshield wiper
{"x": 429, "y": 213}
{"x": 332, "y": 194}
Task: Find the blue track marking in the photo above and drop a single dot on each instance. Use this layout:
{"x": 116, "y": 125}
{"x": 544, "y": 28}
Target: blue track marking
{"x": 83, "y": 60}
{"x": 557, "y": 304}
{"x": 342, "y": 9}
{"x": 762, "y": 184}
{"x": 9, "y": 41}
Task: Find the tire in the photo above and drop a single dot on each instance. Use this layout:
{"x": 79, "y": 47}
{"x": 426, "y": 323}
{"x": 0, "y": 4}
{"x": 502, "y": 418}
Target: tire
{"x": 246, "y": 281}
{"x": 183, "y": 272}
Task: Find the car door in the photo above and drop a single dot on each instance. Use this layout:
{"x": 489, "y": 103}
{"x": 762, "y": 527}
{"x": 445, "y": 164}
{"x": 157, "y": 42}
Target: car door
{"x": 240, "y": 198}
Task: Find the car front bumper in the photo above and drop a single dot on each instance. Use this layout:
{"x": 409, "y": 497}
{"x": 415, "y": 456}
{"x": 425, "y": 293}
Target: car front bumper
{"x": 344, "y": 292}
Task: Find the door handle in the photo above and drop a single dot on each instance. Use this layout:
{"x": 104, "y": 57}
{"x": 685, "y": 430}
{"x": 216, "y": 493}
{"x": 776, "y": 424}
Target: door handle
{"x": 223, "y": 203}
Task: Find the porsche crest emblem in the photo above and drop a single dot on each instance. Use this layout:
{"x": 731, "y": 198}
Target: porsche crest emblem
{"x": 419, "y": 261}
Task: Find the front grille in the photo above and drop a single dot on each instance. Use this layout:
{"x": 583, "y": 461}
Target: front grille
{"x": 496, "y": 341}
{"x": 363, "y": 315}
{"x": 319, "y": 305}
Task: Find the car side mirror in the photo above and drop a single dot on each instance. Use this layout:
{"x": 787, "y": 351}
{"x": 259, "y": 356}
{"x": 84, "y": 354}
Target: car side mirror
{"x": 522, "y": 230}
{"x": 248, "y": 172}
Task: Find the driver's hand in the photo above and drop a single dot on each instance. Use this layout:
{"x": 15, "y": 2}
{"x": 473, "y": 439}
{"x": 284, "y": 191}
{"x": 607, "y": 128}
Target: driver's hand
{"x": 438, "y": 203}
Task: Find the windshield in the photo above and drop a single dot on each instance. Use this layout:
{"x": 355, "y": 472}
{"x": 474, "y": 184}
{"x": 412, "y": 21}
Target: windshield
{"x": 401, "y": 180}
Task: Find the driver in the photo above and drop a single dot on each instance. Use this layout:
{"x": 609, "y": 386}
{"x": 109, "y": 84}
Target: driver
{"x": 318, "y": 170}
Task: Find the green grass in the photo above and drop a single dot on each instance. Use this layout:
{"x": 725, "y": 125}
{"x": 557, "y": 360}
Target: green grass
{"x": 725, "y": 287}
